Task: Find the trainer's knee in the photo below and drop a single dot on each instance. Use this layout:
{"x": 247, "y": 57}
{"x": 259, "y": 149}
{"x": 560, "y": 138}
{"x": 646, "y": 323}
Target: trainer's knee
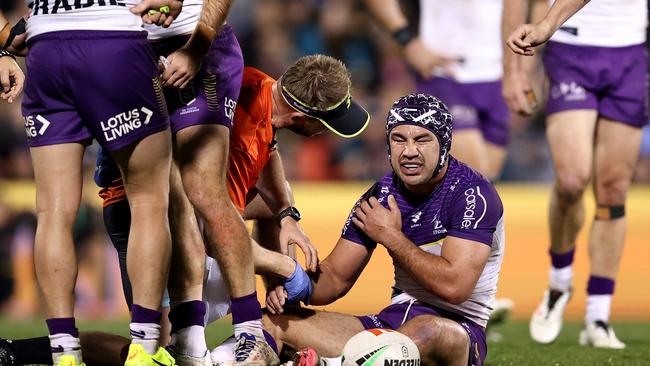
{"x": 571, "y": 185}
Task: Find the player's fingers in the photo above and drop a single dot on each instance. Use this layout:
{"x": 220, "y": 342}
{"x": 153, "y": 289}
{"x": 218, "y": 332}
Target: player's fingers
{"x": 5, "y": 81}
{"x": 162, "y": 19}
{"x": 185, "y": 77}
{"x": 140, "y": 8}
{"x": 392, "y": 203}
{"x": 365, "y": 206}
{"x": 168, "y": 22}
{"x": 359, "y": 224}
{"x": 360, "y": 215}
{"x": 373, "y": 202}
{"x": 18, "y": 82}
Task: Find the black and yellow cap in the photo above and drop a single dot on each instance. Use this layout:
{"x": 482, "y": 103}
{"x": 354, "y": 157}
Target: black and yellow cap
{"x": 345, "y": 118}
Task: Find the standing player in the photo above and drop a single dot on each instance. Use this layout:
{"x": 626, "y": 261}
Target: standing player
{"x": 78, "y": 90}
{"x": 596, "y": 65}
{"x": 457, "y": 56}
{"x": 441, "y": 222}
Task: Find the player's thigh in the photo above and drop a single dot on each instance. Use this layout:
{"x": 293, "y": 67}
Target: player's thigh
{"x": 201, "y": 152}
{"x": 145, "y": 167}
{"x": 496, "y": 156}
{"x": 571, "y": 137}
{"x": 439, "y": 339}
{"x": 58, "y": 178}
{"x": 327, "y": 332}
{"x": 616, "y": 155}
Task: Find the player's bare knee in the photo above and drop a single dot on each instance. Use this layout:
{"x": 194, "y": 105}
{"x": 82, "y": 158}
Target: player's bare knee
{"x": 571, "y": 185}
{"x": 612, "y": 192}
{"x": 439, "y": 340}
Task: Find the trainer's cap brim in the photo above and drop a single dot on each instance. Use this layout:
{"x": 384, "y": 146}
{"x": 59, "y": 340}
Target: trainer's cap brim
{"x": 346, "y": 118}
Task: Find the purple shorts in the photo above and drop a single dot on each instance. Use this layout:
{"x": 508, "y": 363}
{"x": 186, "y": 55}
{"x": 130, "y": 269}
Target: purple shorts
{"x": 92, "y": 84}
{"x": 392, "y": 317}
{"x": 211, "y": 97}
{"x": 472, "y": 105}
{"x": 610, "y": 80}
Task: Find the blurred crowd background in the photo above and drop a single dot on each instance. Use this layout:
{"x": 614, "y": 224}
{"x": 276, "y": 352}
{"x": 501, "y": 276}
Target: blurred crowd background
{"x": 272, "y": 34}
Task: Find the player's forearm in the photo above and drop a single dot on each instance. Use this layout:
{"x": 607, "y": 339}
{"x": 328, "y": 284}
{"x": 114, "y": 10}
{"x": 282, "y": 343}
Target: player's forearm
{"x": 327, "y": 286}
{"x": 213, "y": 16}
{"x": 435, "y": 273}
{"x": 270, "y": 262}
{"x": 388, "y": 13}
{"x": 514, "y": 14}
{"x": 561, "y": 11}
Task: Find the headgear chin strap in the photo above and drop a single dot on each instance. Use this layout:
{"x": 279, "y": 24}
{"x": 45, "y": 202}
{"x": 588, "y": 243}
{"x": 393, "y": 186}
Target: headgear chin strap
{"x": 425, "y": 111}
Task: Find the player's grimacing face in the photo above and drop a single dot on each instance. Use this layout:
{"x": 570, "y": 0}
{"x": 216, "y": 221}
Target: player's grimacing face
{"x": 414, "y": 153}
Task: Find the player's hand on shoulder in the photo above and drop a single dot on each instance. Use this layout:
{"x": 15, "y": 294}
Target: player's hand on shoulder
{"x": 422, "y": 60}
{"x": 158, "y": 12}
{"x": 378, "y": 222}
{"x": 12, "y": 79}
{"x": 181, "y": 67}
{"x": 291, "y": 234}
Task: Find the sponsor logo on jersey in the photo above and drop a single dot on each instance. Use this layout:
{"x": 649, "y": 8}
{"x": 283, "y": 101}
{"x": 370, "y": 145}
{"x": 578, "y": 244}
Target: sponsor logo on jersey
{"x": 124, "y": 123}
{"x": 42, "y": 7}
{"x": 470, "y": 217}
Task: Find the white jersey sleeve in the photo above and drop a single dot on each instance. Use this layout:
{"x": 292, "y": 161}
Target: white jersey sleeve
{"x": 606, "y": 23}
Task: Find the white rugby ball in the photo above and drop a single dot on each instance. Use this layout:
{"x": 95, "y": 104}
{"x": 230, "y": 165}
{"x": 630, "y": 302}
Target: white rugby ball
{"x": 380, "y": 347}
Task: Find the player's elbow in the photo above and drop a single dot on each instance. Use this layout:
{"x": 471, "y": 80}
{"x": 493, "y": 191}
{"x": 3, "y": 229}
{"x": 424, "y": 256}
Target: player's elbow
{"x": 454, "y": 293}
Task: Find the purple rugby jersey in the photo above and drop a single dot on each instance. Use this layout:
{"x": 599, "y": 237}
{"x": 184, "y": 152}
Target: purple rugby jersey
{"x": 464, "y": 205}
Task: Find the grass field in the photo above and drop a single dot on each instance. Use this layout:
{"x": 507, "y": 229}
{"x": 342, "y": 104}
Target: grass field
{"x": 514, "y": 348}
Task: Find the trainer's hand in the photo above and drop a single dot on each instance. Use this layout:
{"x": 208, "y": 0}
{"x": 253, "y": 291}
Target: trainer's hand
{"x": 275, "y": 299}
{"x": 292, "y": 234}
{"x": 182, "y": 66}
{"x": 12, "y": 79}
{"x": 527, "y": 36}
{"x": 518, "y": 92}
{"x": 377, "y": 222}
{"x": 155, "y": 16}
{"x": 418, "y": 56}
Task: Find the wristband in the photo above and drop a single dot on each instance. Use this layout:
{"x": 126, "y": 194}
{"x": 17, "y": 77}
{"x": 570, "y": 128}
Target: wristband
{"x": 289, "y": 211}
{"x": 4, "y": 53}
{"x": 403, "y": 35}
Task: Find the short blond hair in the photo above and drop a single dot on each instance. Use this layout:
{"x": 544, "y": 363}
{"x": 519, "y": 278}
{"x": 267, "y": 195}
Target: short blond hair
{"x": 317, "y": 80}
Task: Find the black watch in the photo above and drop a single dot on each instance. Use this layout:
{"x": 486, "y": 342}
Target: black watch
{"x": 289, "y": 211}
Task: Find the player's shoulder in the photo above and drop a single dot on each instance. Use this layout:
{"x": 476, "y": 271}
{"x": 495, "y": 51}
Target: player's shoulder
{"x": 469, "y": 182}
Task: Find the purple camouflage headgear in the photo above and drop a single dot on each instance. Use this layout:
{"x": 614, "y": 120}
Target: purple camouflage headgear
{"x": 425, "y": 111}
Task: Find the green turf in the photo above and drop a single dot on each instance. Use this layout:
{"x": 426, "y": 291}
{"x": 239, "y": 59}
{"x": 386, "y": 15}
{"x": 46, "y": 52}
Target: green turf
{"x": 515, "y": 347}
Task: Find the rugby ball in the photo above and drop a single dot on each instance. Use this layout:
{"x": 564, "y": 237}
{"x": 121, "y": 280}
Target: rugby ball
{"x": 380, "y": 347}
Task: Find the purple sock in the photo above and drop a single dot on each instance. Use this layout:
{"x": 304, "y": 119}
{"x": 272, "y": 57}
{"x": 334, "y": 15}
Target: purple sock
{"x": 141, "y": 314}
{"x": 245, "y": 308}
{"x": 271, "y": 341}
{"x": 563, "y": 259}
{"x": 187, "y": 314}
{"x": 62, "y": 326}
{"x": 600, "y": 285}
